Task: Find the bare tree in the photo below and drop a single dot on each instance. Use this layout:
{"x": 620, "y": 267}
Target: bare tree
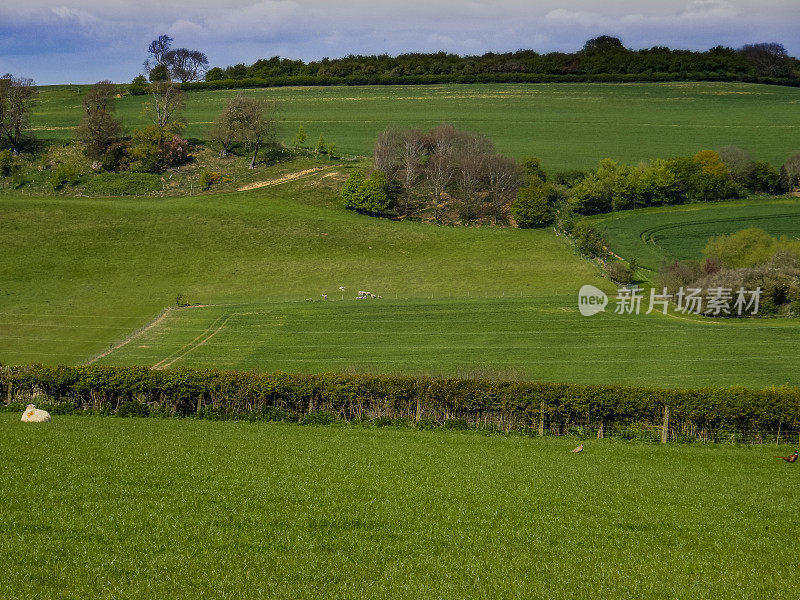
{"x": 186, "y": 65}
{"x": 165, "y": 106}
{"x": 226, "y": 128}
{"x": 98, "y": 127}
{"x": 770, "y": 59}
{"x": 16, "y": 97}
{"x": 158, "y": 53}
{"x": 258, "y": 124}
{"x": 505, "y": 178}
{"x": 386, "y": 152}
{"x": 413, "y": 150}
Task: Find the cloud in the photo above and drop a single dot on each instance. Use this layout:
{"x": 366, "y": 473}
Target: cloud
{"x": 94, "y": 39}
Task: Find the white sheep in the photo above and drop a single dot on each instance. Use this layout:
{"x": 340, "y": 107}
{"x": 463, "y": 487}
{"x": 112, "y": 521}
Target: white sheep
{"x": 35, "y": 415}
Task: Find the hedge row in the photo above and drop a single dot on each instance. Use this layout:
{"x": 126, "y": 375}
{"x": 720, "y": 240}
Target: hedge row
{"x": 312, "y": 80}
{"x": 505, "y": 403}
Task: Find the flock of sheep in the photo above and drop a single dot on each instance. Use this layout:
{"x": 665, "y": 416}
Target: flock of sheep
{"x": 362, "y": 295}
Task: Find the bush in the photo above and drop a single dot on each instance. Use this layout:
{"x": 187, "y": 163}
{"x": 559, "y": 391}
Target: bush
{"x": 745, "y": 248}
{"x": 533, "y": 170}
{"x": 767, "y": 179}
{"x": 115, "y": 156}
{"x": 62, "y": 175}
{"x": 569, "y": 177}
{"x": 589, "y": 240}
{"x": 369, "y": 196}
{"x": 457, "y": 403}
{"x": 531, "y": 207}
{"x": 132, "y": 408}
{"x": 8, "y": 166}
{"x": 209, "y": 178}
{"x": 175, "y": 151}
{"x": 139, "y": 86}
{"x": 123, "y": 184}
{"x": 619, "y": 273}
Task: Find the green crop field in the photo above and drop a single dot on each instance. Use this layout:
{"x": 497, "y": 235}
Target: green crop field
{"x": 82, "y": 274}
{"x": 240, "y": 510}
{"x": 566, "y": 125}
{"x": 654, "y": 235}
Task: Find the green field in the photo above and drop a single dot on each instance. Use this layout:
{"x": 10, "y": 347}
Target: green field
{"x": 654, "y": 235}
{"x": 456, "y": 301}
{"x": 238, "y": 510}
{"x": 566, "y": 125}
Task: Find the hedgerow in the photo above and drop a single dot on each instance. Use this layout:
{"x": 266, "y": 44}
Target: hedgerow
{"x": 215, "y": 394}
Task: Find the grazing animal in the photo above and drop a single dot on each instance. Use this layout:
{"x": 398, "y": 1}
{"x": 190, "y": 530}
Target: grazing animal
{"x": 579, "y": 448}
{"x": 35, "y": 415}
{"x": 324, "y": 296}
{"x": 791, "y": 458}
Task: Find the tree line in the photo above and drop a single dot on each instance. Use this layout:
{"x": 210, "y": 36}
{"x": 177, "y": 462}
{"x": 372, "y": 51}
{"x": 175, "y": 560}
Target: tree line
{"x": 603, "y": 56}
{"x": 449, "y": 175}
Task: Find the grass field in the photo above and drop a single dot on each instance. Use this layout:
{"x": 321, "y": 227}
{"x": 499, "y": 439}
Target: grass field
{"x": 188, "y": 509}
{"x": 566, "y": 125}
{"x": 541, "y": 338}
{"x": 79, "y": 274}
{"x": 654, "y": 235}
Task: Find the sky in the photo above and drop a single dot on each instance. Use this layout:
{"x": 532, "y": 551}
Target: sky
{"x": 83, "y": 41}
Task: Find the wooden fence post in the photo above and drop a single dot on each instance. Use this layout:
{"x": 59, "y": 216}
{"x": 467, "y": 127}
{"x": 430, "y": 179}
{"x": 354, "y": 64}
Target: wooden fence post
{"x": 600, "y": 431}
{"x": 541, "y": 419}
{"x": 665, "y": 426}
{"x": 418, "y": 416}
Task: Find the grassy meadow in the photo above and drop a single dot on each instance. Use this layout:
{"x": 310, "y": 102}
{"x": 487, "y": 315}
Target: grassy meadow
{"x": 654, "y": 235}
{"x": 267, "y": 510}
{"x": 566, "y": 125}
{"x": 81, "y": 273}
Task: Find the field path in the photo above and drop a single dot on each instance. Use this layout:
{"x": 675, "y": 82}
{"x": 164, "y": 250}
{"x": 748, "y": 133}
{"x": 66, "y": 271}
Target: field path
{"x": 283, "y": 178}
{"x": 147, "y": 327}
{"x": 201, "y": 339}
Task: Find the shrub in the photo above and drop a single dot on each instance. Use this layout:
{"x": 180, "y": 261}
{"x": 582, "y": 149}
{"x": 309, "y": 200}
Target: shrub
{"x": 745, "y": 248}
{"x": 321, "y": 147}
{"x": 209, "y": 178}
{"x": 457, "y": 403}
{"x": 132, "y": 408}
{"x": 589, "y": 240}
{"x": 175, "y": 151}
{"x": 531, "y": 207}
{"x": 139, "y": 86}
{"x": 62, "y": 175}
{"x": 366, "y": 195}
{"x": 123, "y": 184}
{"x": 8, "y": 166}
{"x": 533, "y": 170}
{"x": 115, "y": 156}
{"x": 767, "y": 179}
{"x": 569, "y": 177}
{"x": 619, "y": 273}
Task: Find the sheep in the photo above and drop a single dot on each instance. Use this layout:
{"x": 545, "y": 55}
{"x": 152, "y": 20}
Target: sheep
{"x": 324, "y": 296}
{"x": 35, "y": 415}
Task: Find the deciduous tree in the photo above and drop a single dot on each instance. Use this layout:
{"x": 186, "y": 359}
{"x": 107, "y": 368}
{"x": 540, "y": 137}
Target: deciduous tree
{"x": 16, "y": 97}
{"x": 98, "y": 127}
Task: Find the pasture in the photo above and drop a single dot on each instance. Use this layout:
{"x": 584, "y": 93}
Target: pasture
{"x": 654, "y": 235}
{"x": 566, "y": 125}
{"x": 181, "y": 508}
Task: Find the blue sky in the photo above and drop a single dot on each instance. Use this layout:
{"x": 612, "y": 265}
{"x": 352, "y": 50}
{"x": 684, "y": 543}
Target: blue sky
{"x": 83, "y": 41}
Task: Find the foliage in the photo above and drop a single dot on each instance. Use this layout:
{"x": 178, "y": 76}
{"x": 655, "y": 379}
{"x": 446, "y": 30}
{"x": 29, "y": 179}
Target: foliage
{"x": 62, "y": 175}
{"x": 531, "y": 207}
{"x": 603, "y": 58}
{"x": 17, "y": 95}
{"x": 748, "y": 248}
{"x": 8, "y": 165}
{"x": 619, "y": 273}
{"x": 589, "y": 240}
{"x": 300, "y": 138}
{"x": 321, "y": 147}
{"x": 313, "y": 397}
{"x": 209, "y": 178}
{"x": 99, "y": 128}
{"x": 139, "y": 86}
{"x": 533, "y": 170}
{"x": 123, "y": 184}
{"x": 368, "y": 195}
